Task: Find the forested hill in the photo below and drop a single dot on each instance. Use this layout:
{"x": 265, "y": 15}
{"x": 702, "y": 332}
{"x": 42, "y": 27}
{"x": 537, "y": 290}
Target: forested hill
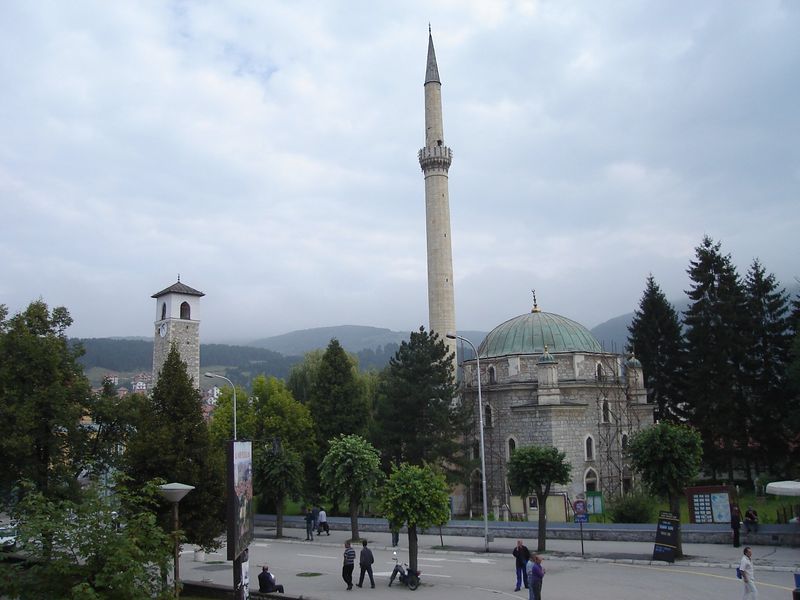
{"x": 130, "y": 355}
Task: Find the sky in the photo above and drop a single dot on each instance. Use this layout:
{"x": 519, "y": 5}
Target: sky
{"x": 266, "y": 152}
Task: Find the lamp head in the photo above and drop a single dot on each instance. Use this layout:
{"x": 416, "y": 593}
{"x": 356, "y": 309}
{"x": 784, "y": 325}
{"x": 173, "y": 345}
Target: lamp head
{"x": 450, "y": 335}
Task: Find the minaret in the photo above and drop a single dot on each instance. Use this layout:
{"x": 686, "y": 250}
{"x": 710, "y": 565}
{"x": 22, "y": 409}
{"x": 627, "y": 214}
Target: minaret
{"x": 435, "y": 159}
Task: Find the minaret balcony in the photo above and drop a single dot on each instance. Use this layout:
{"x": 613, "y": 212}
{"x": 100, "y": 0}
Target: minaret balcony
{"x": 435, "y": 157}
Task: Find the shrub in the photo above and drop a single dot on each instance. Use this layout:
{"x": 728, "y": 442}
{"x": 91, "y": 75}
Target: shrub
{"x": 636, "y": 507}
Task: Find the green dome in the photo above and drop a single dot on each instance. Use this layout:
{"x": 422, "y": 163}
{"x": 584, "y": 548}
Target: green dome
{"x": 531, "y": 332}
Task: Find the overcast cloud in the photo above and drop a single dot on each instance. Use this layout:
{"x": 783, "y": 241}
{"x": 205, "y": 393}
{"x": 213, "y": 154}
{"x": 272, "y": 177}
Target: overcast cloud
{"x": 267, "y": 152}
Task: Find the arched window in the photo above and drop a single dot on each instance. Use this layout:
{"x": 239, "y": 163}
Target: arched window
{"x": 606, "y": 416}
{"x": 589, "y": 447}
{"x": 590, "y": 480}
{"x": 163, "y": 310}
{"x": 492, "y": 374}
{"x": 487, "y": 415}
{"x": 476, "y": 450}
{"x": 624, "y": 441}
{"x": 512, "y": 445}
{"x": 599, "y": 372}
{"x": 186, "y": 311}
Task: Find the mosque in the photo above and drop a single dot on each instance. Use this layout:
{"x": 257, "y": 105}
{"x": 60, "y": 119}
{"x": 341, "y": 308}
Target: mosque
{"x": 545, "y": 379}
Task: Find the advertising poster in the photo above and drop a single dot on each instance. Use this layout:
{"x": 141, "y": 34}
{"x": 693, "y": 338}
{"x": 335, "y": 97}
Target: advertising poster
{"x": 239, "y": 497}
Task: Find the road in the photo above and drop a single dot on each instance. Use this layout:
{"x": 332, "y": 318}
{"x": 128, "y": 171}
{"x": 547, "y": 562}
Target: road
{"x": 313, "y": 570}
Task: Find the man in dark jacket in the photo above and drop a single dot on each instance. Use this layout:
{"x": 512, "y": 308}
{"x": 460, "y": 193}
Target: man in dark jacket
{"x": 266, "y": 581}
{"x": 365, "y": 561}
{"x": 521, "y": 556}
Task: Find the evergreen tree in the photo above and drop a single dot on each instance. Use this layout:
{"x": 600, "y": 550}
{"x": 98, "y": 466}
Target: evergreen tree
{"x": 769, "y": 399}
{"x": 655, "y": 338}
{"x": 417, "y": 420}
{"x": 337, "y": 399}
{"x": 43, "y": 392}
{"x": 173, "y": 443}
{"x": 716, "y": 340}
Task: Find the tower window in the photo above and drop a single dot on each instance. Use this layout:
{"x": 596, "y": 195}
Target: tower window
{"x": 163, "y": 310}
{"x": 589, "y": 448}
{"x": 186, "y": 311}
{"x": 492, "y": 374}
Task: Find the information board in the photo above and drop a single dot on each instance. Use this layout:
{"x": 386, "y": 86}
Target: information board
{"x": 710, "y": 504}
{"x": 594, "y": 503}
{"x": 667, "y": 532}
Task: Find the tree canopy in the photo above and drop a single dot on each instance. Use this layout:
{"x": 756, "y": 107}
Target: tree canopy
{"x": 43, "y": 396}
{"x": 535, "y": 469}
{"x": 351, "y": 469}
{"x": 416, "y": 496}
{"x": 278, "y": 475}
{"x": 668, "y": 456}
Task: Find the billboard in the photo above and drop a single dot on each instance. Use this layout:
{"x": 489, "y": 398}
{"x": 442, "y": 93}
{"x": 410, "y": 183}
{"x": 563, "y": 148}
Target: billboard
{"x": 239, "y": 497}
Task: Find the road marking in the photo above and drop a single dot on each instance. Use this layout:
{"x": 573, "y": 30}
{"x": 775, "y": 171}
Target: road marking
{"x": 733, "y": 578}
{"x": 481, "y": 561}
{"x": 318, "y": 556}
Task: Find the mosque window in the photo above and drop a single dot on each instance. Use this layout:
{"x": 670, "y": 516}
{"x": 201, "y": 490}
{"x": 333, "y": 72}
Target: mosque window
{"x": 606, "y": 412}
{"x": 476, "y": 451}
{"x": 487, "y": 416}
{"x": 599, "y": 372}
{"x": 624, "y": 441}
{"x": 512, "y": 445}
{"x": 492, "y": 374}
{"x": 186, "y": 311}
{"x": 163, "y": 310}
{"x": 589, "y": 447}
{"x": 590, "y": 481}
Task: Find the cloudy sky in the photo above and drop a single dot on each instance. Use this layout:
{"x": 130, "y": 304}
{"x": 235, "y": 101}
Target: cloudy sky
{"x": 267, "y": 152}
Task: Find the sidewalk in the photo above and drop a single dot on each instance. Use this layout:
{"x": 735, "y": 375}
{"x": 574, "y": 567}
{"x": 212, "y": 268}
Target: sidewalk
{"x": 768, "y": 558}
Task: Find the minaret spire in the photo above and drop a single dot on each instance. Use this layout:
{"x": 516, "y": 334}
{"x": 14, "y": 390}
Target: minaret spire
{"x": 435, "y": 159}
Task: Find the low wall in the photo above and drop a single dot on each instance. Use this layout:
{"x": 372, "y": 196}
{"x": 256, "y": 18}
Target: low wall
{"x": 768, "y": 535}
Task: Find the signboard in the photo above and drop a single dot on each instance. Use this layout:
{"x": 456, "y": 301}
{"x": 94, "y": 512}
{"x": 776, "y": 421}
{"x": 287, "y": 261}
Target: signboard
{"x": 667, "y": 532}
{"x": 581, "y": 518}
{"x": 239, "y": 497}
{"x": 594, "y": 503}
{"x": 579, "y": 506}
{"x": 710, "y": 504}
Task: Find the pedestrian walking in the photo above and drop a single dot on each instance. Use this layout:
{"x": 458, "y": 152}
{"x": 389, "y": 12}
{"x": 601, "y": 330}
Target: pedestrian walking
{"x": 322, "y": 522}
{"x": 535, "y": 576}
{"x": 521, "y": 557}
{"x": 309, "y": 525}
{"x": 365, "y": 561}
{"x": 735, "y": 524}
{"x": 348, "y": 565}
{"x": 746, "y": 567}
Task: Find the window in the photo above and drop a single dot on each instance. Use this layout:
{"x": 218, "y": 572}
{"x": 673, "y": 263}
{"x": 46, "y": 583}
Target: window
{"x": 492, "y": 374}
{"x": 476, "y": 450}
{"x": 487, "y": 416}
{"x": 512, "y": 445}
{"x": 624, "y": 441}
{"x": 589, "y": 448}
{"x": 606, "y": 412}
{"x": 590, "y": 481}
{"x": 599, "y": 372}
{"x": 186, "y": 311}
{"x": 163, "y": 310}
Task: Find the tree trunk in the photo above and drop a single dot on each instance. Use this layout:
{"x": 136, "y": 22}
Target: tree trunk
{"x": 354, "y": 519}
{"x": 542, "y": 539}
{"x": 675, "y": 508}
{"x": 412, "y": 548}
{"x": 279, "y": 518}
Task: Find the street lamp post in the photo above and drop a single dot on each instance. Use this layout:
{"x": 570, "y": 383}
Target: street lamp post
{"x": 174, "y": 492}
{"x": 453, "y": 336}
{"x": 215, "y": 376}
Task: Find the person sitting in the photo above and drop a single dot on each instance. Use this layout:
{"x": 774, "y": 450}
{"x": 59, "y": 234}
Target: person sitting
{"x": 751, "y": 520}
{"x": 267, "y": 583}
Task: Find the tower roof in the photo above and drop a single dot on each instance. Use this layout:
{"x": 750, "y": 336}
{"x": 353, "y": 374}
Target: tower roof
{"x": 178, "y": 288}
{"x": 432, "y": 71}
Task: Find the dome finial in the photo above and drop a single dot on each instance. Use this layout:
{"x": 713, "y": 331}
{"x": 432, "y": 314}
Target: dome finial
{"x": 179, "y": 277}
{"x": 535, "y": 308}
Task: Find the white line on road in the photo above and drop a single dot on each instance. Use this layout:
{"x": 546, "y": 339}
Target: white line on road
{"x": 318, "y": 556}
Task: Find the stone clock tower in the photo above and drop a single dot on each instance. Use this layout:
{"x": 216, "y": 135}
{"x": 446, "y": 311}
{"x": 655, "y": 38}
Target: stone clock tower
{"x": 177, "y": 321}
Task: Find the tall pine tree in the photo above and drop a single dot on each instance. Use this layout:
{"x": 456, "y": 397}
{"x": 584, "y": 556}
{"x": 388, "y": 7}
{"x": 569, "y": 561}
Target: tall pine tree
{"x": 655, "y": 338}
{"x": 766, "y": 365}
{"x": 173, "y": 443}
{"x": 417, "y": 421}
{"x": 716, "y": 341}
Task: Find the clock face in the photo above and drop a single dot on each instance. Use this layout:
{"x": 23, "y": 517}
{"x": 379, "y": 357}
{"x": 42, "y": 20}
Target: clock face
{"x": 162, "y": 331}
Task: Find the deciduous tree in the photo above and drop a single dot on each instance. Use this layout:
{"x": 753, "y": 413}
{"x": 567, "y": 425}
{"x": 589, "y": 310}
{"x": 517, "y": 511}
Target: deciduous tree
{"x": 535, "y": 469}
{"x": 416, "y": 496}
{"x": 668, "y": 457}
{"x": 351, "y": 469}
{"x": 278, "y": 476}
